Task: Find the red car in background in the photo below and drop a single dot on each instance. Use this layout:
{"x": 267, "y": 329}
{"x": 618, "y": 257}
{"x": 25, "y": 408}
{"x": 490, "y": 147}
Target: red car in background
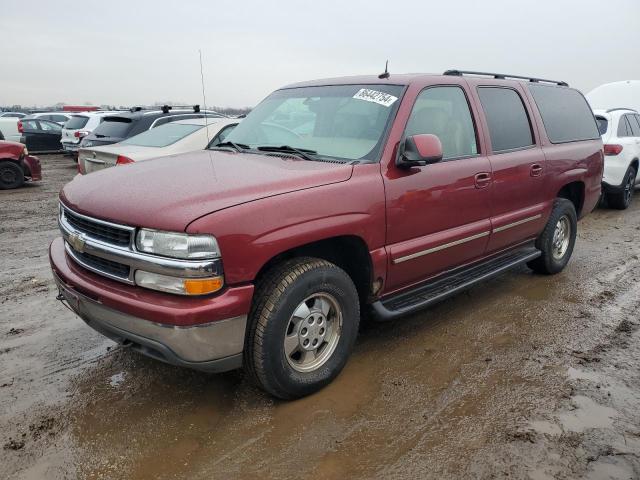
{"x": 16, "y": 165}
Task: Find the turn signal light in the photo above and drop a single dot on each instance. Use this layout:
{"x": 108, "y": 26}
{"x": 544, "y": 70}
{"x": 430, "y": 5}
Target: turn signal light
{"x": 612, "y": 149}
{"x": 122, "y": 160}
{"x": 20, "y": 127}
{"x": 203, "y": 286}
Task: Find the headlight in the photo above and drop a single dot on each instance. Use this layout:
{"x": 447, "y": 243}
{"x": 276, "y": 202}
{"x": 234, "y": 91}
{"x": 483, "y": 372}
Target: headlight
{"x": 182, "y": 286}
{"x": 177, "y": 245}
{"x": 25, "y": 152}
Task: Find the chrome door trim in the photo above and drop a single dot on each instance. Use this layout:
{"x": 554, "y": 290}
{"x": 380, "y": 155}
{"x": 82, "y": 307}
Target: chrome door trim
{"x": 440, "y": 247}
{"x": 515, "y": 224}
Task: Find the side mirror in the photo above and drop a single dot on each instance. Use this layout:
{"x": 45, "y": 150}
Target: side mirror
{"x": 417, "y": 150}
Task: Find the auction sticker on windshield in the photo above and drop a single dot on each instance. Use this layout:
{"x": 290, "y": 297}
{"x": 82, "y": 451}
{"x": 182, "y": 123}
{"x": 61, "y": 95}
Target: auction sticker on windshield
{"x": 375, "y": 96}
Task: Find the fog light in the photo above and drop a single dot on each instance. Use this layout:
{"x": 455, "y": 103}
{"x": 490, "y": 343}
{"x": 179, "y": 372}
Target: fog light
{"x": 182, "y": 286}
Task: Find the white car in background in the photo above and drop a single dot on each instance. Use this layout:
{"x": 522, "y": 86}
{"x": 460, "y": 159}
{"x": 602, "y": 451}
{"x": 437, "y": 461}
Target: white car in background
{"x": 9, "y": 129}
{"x": 58, "y": 117}
{"x": 620, "y": 130}
{"x": 12, "y": 115}
{"x": 79, "y": 126}
{"x": 169, "y": 139}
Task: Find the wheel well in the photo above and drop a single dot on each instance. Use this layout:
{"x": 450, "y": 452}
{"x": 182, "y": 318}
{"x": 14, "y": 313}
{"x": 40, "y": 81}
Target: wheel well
{"x": 573, "y": 192}
{"x": 347, "y": 252}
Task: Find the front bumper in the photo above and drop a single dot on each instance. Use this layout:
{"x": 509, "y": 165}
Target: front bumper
{"x": 201, "y": 333}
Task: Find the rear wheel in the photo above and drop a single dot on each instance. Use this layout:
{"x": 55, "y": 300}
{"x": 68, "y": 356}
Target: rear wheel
{"x": 11, "y": 175}
{"x": 302, "y": 327}
{"x": 557, "y": 240}
{"x": 622, "y": 199}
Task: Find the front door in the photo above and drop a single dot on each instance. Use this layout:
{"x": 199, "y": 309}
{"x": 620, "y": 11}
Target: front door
{"x": 438, "y": 215}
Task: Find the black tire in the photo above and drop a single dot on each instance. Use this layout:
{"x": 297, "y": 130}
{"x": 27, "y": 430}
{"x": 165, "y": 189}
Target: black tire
{"x": 11, "y": 175}
{"x": 622, "y": 199}
{"x": 280, "y": 292}
{"x": 550, "y": 262}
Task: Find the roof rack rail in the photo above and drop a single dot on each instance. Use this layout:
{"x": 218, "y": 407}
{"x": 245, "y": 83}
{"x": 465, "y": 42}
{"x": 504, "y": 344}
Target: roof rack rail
{"x": 503, "y": 76}
{"x": 622, "y": 108}
{"x": 166, "y": 108}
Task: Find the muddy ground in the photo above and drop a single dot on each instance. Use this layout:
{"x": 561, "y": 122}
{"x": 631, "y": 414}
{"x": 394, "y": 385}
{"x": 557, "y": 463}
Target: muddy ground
{"x": 525, "y": 376}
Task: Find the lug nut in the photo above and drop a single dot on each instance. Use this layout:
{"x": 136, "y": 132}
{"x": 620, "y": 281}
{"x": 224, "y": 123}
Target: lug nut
{"x": 305, "y": 343}
{"x": 303, "y": 331}
{"x": 321, "y": 331}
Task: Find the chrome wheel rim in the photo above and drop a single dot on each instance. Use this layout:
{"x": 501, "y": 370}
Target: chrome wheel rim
{"x": 313, "y": 332}
{"x": 628, "y": 188}
{"x": 561, "y": 237}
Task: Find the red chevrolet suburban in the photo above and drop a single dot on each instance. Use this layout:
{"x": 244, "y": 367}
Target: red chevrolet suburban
{"x": 386, "y": 193}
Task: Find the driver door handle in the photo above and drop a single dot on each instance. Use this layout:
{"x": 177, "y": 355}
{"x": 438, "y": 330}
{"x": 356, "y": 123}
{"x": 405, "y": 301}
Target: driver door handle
{"x": 536, "y": 170}
{"x": 482, "y": 179}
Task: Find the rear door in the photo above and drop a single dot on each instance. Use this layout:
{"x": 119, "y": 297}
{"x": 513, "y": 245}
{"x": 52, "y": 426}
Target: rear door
{"x": 518, "y": 165}
{"x": 50, "y": 135}
{"x": 31, "y": 134}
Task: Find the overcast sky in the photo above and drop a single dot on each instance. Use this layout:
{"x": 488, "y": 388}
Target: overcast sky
{"x": 139, "y": 51}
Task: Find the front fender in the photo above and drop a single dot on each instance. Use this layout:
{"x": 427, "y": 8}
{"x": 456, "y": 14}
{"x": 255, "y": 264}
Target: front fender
{"x": 251, "y": 234}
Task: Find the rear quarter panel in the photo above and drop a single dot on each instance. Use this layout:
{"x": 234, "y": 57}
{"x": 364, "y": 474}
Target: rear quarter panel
{"x": 580, "y": 161}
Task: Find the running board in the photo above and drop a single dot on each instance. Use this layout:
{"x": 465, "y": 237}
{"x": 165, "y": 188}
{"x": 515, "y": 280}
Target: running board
{"x": 449, "y": 284}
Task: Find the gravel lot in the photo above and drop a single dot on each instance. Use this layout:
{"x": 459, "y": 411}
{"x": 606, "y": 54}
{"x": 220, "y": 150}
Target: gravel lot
{"x": 523, "y": 377}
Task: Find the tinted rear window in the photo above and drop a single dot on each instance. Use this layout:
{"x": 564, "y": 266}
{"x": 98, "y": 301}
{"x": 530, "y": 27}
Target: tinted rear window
{"x": 603, "y": 124}
{"x": 76, "y": 122}
{"x": 114, "y": 127}
{"x": 163, "y": 135}
{"x": 565, "y": 113}
{"x": 509, "y": 125}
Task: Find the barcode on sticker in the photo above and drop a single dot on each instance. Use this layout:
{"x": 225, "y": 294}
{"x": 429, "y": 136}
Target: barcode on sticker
{"x": 375, "y": 96}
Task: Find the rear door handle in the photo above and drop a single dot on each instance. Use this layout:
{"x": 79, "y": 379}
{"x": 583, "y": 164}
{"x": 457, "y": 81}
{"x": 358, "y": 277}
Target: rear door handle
{"x": 482, "y": 179}
{"x": 536, "y": 170}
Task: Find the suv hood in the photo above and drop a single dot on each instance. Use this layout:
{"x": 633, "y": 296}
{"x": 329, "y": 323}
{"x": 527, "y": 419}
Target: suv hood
{"x": 171, "y": 192}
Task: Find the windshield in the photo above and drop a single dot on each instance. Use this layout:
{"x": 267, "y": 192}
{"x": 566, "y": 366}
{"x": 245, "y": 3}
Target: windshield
{"x": 162, "y": 136}
{"x": 342, "y": 121}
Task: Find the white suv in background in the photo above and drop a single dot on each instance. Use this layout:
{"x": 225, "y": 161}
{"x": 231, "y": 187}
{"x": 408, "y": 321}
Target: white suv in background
{"x": 620, "y": 130}
{"x": 79, "y": 126}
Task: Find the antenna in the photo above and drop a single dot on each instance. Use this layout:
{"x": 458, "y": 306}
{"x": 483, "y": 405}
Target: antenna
{"x": 386, "y": 71}
{"x": 204, "y": 100}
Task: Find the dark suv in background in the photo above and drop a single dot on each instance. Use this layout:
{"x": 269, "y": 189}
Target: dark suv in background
{"x": 117, "y": 127}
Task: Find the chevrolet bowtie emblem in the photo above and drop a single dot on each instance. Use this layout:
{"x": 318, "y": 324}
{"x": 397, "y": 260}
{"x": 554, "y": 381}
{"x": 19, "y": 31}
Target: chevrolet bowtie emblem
{"x": 77, "y": 241}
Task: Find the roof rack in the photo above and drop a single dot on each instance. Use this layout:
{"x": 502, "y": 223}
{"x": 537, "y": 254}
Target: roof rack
{"x": 621, "y": 108}
{"x": 503, "y": 76}
{"x": 164, "y": 108}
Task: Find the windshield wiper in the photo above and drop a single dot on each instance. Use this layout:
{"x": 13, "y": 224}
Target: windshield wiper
{"x": 301, "y": 152}
{"x": 238, "y": 147}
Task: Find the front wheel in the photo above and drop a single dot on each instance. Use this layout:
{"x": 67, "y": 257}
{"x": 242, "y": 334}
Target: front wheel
{"x": 11, "y": 175}
{"x": 622, "y": 199}
{"x": 302, "y": 327}
{"x": 557, "y": 240}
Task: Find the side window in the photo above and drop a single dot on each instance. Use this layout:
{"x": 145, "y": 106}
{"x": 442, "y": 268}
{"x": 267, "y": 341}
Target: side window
{"x": 566, "y": 115}
{"x": 222, "y": 134}
{"x": 58, "y": 118}
{"x": 635, "y": 128}
{"x": 444, "y": 111}
{"x": 509, "y": 126}
{"x": 623, "y": 127}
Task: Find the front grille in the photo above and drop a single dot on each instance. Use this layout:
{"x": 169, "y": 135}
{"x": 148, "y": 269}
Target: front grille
{"x": 99, "y": 231}
{"x": 103, "y": 265}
